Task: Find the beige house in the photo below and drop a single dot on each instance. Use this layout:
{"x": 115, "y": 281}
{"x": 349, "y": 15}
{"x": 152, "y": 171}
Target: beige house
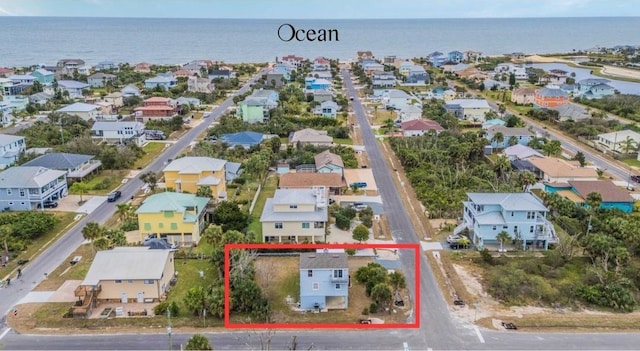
{"x": 129, "y": 274}
{"x": 311, "y": 136}
{"x": 523, "y": 96}
{"x": 116, "y": 99}
{"x": 557, "y": 170}
{"x": 295, "y": 216}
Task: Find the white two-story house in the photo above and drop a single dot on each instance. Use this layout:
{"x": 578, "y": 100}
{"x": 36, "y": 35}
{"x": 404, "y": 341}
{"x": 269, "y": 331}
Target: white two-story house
{"x": 521, "y": 215}
{"x": 295, "y": 216}
{"x": 11, "y": 147}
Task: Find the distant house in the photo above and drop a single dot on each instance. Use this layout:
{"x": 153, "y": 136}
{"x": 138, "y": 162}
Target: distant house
{"x": 85, "y": 111}
{"x": 324, "y": 281}
{"x": 493, "y": 122}
{"x": 119, "y": 132}
{"x": 468, "y": 109}
{"x": 224, "y": 74}
{"x": 383, "y": 80}
{"x": 74, "y": 88}
{"x": 575, "y": 112}
{"x": 188, "y": 174}
{"x": 157, "y": 108}
{"x": 328, "y": 162}
{"x": 327, "y": 109}
{"x": 410, "y": 112}
{"x": 188, "y": 101}
{"x": 244, "y": 139}
{"x": 43, "y": 76}
{"x": 128, "y": 274}
{"x": 99, "y": 80}
{"x": 164, "y": 81}
{"x": 520, "y": 152}
{"x": 22, "y": 79}
{"x": 522, "y": 136}
{"x": 616, "y": 141}
{"x": 523, "y": 96}
{"x": 519, "y": 214}
{"x": 142, "y": 67}
{"x": 293, "y": 60}
{"x": 276, "y": 79}
{"x": 106, "y": 65}
{"x": 40, "y": 98}
{"x": 322, "y": 95}
{"x": 455, "y": 56}
{"x": 115, "y": 99}
{"x": 232, "y": 170}
{"x": 295, "y": 216}
{"x": 27, "y": 188}
{"x": 332, "y": 182}
{"x": 255, "y": 108}
{"x": 310, "y": 136}
{"x": 16, "y": 102}
{"x": 557, "y": 170}
{"x": 370, "y": 68}
{"x": 178, "y": 217}
{"x": 549, "y": 98}
{"x": 613, "y": 197}
{"x": 196, "y": 84}
{"x": 5, "y": 72}
{"x": 364, "y": 55}
{"x": 76, "y": 166}
{"x": 417, "y": 76}
{"x": 321, "y": 64}
{"x": 130, "y": 90}
{"x": 419, "y": 127}
{"x": 395, "y": 98}
{"x": 11, "y": 147}
{"x": 595, "y": 88}
{"x": 70, "y": 66}
{"x": 312, "y": 83}
{"x": 436, "y": 59}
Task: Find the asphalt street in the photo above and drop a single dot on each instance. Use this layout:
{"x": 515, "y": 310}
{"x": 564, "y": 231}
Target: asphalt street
{"x": 439, "y": 329}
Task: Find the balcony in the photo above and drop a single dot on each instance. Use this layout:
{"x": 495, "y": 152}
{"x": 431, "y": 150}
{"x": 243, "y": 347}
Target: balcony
{"x": 339, "y": 280}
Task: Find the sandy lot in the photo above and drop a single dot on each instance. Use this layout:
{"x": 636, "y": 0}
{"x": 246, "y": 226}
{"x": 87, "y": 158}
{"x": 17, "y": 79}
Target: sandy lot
{"x": 621, "y": 72}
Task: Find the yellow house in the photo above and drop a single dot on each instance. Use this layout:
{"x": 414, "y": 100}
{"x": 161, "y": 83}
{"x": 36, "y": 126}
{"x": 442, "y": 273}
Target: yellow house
{"x": 295, "y": 216}
{"x": 129, "y": 274}
{"x": 187, "y": 174}
{"x": 177, "y": 217}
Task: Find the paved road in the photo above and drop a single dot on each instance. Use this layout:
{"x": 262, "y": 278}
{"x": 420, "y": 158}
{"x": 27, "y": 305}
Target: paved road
{"x": 52, "y": 257}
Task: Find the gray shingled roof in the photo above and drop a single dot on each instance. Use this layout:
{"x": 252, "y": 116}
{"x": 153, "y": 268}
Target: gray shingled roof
{"x": 313, "y": 260}
{"x": 59, "y": 160}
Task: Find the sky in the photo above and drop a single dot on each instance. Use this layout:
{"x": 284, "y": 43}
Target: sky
{"x": 321, "y": 9}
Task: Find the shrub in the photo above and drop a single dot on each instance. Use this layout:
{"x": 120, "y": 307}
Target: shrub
{"x": 373, "y": 308}
{"x": 343, "y": 222}
{"x": 162, "y": 307}
{"x": 486, "y": 256}
{"x": 365, "y": 311}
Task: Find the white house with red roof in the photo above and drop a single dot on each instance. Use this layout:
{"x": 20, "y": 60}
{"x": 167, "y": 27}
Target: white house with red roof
{"x": 418, "y": 127}
{"x": 292, "y": 60}
{"x": 321, "y": 64}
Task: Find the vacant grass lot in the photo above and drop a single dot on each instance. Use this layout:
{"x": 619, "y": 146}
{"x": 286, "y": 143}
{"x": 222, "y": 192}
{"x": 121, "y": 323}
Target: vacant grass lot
{"x": 41, "y": 243}
{"x": 66, "y": 271}
{"x": 102, "y": 183}
{"x": 267, "y": 191}
{"x": 152, "y": 150}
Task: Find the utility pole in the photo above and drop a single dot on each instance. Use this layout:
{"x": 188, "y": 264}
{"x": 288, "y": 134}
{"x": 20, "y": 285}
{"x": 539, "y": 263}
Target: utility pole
{"x": 169, "y": 328}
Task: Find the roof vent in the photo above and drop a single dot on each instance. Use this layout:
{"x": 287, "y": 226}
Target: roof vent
{"x": 312, "y": 256}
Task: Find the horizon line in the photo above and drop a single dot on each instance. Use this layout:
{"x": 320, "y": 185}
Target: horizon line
{"x": 322, "y": 19}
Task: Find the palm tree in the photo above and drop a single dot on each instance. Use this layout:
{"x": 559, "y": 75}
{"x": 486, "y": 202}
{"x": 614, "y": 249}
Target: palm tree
{"x": 498, "y": 138}
{"x": 81, "y": 187}
{"x": 503, "y": 237}
{"x": 629, "y": 145}
{"x": 593, "y": 200}
{"x": 513, "y": 140}
{"x": 502, "y": 166}
{"x": 5, "y": 233}
{"x": 125, "y": 211}
{"x": 526, "y": 178}
{"x": 92, "y": 231}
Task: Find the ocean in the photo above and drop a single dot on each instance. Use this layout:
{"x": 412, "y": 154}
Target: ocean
{"x": 45, "y": 40}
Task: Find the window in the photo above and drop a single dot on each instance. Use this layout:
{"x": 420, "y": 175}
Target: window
{"x": 160, "y": 225}
{"x": 337, "y": 286}
{"x": 310, "y": 273}
{"x": 531, "y": 215}
{"x": 130, "y": 281}
{"x": 147, "y": 226}
{"x": 531, "y": 229}
{"x": 494, "y": 227}
{"x": 278, "y": 225}
{"x": 316, "y": 286}
{"x": 9, "y": 192}
{"x": 293, "y": 206}
{"x": 168, "y": 214}
{"x": 118, "y": 281}
{"x": 22, "y": 192}
{"x": 148, "y": 281}
{"x": 505, "y": 227}
{"x": 305, "y": 225}
{"x": 511, "y": 213}
{"x": 174, "y": 226}
{"x": 337, "y": 273}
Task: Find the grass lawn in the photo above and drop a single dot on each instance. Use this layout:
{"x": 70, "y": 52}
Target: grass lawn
{"x": 189, "y": 277}
{"x": 633, "y": 162}
{"x": 40, "y": 243}
{"x": 383, "y": 115}
{"x": 343, "y": 141}
{"x": 279, "y": 277}
{"x": 267, "y": 191}
{"x": 66, "y": 271}
{"x": 152, "y": 150}
{"x": 102, "y": 183}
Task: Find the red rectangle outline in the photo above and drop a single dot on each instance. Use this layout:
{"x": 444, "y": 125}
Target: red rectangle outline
{"x": 227, "y": 284}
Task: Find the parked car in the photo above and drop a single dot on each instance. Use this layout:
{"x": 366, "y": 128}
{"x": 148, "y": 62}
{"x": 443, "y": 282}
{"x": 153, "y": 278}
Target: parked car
{"x": 458, "y": 245}
{"x": 112, "y": 197}
{"x": 635, "y": 178}
{"x": 358, "y": 206}
{"x": 358, "y": 185}
{"x": 453, "y": 238}
{"x": 49, "y": 204}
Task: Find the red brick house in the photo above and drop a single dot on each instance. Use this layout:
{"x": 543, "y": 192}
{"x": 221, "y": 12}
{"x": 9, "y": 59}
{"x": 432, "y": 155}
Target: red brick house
{"x": 156, "y": 108}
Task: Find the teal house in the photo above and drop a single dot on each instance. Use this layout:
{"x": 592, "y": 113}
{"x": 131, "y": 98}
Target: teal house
{"x": 255, "y": 108}
{"x": 613, "y": 197}
{"x": 43, "y": 76}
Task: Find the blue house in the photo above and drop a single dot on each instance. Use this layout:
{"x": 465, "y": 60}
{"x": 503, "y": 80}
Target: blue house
{"x": 502, "y": 137}
{"x": 324, "y": 280}
{"x": 613, "y": 197}
{"x": 455, "y": 56}
{"x": 43, "y": 76}
{"x": 11, "y": 147}
{"x": 521, "y": 215}
{"x": 586, "y": 86}
{"x": 106, "y": 65}
{"x": 317, "y": 83}
{"x": 166, "y": 82}
{"x": 73, "y": 87}
{"x": 436, "y": 59}
{"x": 244, "y": 139}
{"x": 27, "y": 188}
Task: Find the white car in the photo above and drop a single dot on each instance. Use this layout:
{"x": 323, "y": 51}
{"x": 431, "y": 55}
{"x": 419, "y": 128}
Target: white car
{"x": 453, "y": 238}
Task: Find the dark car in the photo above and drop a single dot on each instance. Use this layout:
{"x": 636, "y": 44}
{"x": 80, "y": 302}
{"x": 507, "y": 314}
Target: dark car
{"x": 458, "y": 246}
{"x": 635, "y": 178}
{"x": 112, "y": 197}
{"x": 49, "y": 204}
